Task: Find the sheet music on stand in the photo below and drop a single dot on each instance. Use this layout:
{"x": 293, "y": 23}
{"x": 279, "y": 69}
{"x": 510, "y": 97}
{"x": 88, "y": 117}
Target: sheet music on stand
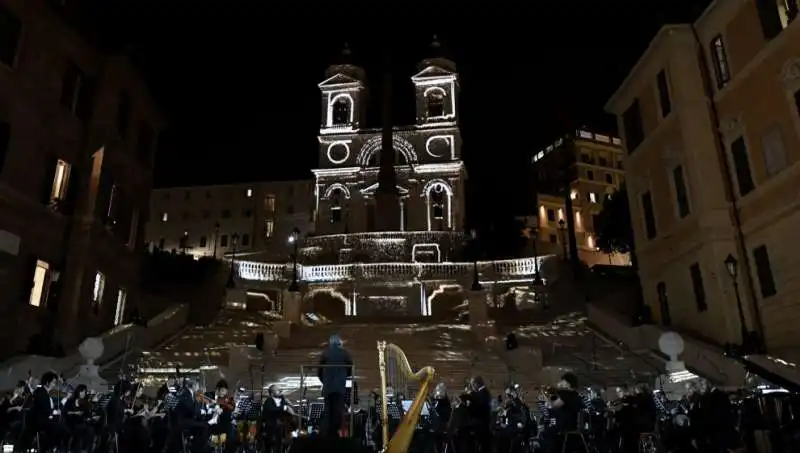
{"x": 315, "y": 410}
{"x": 247, "y": 409}
{"x": 394, "y": 411}
{"x": 407, "y": 405}
{"x": 104, "y": 399}
{"x": 171, "y": 401}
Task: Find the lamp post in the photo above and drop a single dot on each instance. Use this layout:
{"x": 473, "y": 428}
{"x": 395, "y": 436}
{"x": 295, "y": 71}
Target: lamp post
{"x": 562, "y": 229}
{"x": 732, "y": 266}
{"x": 294, "y": 286}
{"x": 231, "y": 281}
{"x": 216, "y": 238}
{"x": 476, "y": 284}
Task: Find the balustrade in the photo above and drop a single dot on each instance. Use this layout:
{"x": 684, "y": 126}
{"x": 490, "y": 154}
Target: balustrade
{"x": 500, "y": 270}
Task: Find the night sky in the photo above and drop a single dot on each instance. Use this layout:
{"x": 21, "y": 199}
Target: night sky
{"x": 240, "y": 83}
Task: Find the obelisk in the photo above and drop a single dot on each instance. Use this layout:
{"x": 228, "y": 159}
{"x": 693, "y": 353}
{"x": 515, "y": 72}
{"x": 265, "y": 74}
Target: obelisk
{"x": 386, "y": 197}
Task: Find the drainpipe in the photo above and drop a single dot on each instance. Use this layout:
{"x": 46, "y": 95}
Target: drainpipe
{"x": 739, "y": 238}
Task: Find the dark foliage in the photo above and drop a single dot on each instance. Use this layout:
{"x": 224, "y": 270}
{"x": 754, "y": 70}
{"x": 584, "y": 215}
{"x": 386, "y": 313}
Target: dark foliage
{"x": 613, "y": 224}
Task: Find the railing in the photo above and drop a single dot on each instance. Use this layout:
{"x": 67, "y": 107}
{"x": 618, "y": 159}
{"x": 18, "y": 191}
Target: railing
{"x": 501, "y": 270}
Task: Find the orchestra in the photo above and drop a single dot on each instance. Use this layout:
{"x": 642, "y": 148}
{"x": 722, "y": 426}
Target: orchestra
{"x": 53, "y": 416}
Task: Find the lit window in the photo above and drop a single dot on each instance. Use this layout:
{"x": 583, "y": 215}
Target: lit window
{"x": 573, "y": 195}
{"x": 269, "y": 228}
{"x": 60, "y": 180}
{"x": 99, "y": 287}
{"x": 164, "y": 216}
{"x": 269, "y": 203}
{"x": 119, "y": 313}
{"x": 593, "y": 197}
{"x": 249, "y": 193}
{"x": 41, "y": 278}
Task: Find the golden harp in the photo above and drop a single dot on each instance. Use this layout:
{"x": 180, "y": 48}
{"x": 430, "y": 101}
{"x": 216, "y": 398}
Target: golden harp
{"x": 397, "y": 373}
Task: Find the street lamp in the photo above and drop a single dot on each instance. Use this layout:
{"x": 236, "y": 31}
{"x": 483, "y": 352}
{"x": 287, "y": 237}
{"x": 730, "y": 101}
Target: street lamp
{"x": 231, "y": 282}
{"x": 216, "y": 238}
{"x": 733, "y": 270}
{"x": 294, "y": 286}
{"x": 562, "y": 230}
{"x": 476, "y": 284}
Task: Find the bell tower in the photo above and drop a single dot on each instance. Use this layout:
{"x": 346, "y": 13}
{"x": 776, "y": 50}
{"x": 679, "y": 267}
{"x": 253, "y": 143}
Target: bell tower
{"x": 343, "y": 97}
{"x": 436, "y": 89}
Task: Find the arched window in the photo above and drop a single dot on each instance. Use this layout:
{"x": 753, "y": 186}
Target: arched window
{"x": 336, "y": 205}
{"x": 438, "y": 200}
{"x": 434, "y": 101}
{"x": 374, "y": 160}
{"x": 341, "y": 111}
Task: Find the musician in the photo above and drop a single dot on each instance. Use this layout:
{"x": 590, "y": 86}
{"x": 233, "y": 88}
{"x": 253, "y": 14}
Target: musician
{"x": 168, "y": 387}
{"x": 276, "y": 414}
{"x": 11, "y": 411}
{"x": 77, "y": 416}
{"x": 135, "y": 436}
{"x": 44, "y": 415}
{"x": 338, "y": 367}
{"x": 565, "y": 405}
{"x": 225, "y": 405}
{"x": 187, "y": 417}
{"x": 476, "y": 434}
{"x": 514, "y": 423}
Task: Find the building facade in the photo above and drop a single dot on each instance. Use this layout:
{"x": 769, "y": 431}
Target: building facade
{"x": 430, "y": 173}
{"x": 591, "y": 166}
{"x": 216, "y": 220}
{"x": 710, "y": 117}
{"x": 78, "y": 131}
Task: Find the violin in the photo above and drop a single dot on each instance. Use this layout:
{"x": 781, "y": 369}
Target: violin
{"x": 227, "y": 403}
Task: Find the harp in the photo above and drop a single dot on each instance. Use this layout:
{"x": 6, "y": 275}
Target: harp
{"x": 396, "y": 372}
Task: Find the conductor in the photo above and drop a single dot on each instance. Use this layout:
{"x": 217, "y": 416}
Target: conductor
{"x": 335, "y": 367}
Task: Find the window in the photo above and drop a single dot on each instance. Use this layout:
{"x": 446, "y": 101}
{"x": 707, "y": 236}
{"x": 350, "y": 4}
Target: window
{"x": 434, "y": 103}
{"x": 70, "y": 88}
{"x": 341, "y": 111}
{"x": 796, "y": 103}
{"x": 58, "y": 189}
{"x": 663, "y": 303}
{"x": 634, "y": 129}
{"x": 551, "y": 215}
{"x": 663, "y": 93}
{"x": 590, "y": 175}
{"x": 775, "y": 158}
{"x": 249, "y": 193}
{"x": 698, "y": 288}
{"x": 592, "y": 197}
{"x": 741, "y": 164}
{"x": 269, "y": 203}
{"x": 10, "y": 30}
{"x": 766, "y": 280}
{"x": 144, "y": 143}
{"x": 223, "y": 240}
{"x": 245, "y": 239}
{"x": 269, "y": 228}
{"x": 649, "y": 215}
{"x": 203, "y": 241}
{"x": 336, "y": 214}
{"x": 226, "y": 213}
{"x": 119, "y": 312}
{"x": 775, "y": 15}
{"x": 573, "y": 195}
{"x": 41, "y": 282}
{"x": 602, "y": 161}
{"x": 164, "y": 217}
{"x": 98, "y": 289}
{"x": 609, "y": 178}
{"x": 124, "y": 115}
{"x": 5, "y": 142}
{"x": 681, "y": 194}
{"x": 721, "y": 69}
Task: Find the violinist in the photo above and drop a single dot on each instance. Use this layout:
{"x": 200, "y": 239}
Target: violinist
{"x": 135, "y": 437}
{"x": 565, "y": 406}
{"x": 514, "y": 422}
{"x": 77, "y": 415}
{"x": 44, "y": 415}
{"x": 223, "y": 419}
{"x": 12, "y": 408}
{"x": 171, "y": 386}
{"x": 187, "y": 417}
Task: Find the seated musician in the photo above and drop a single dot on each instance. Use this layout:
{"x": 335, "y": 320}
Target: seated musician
{"x": 11, "y": 411}
{"x": 77, "y": 415}
{"x": 44, "y": 415}
{"x": 168, "y": 387}
{"x": 276, "y": 414}
{"x": 188, "y": 417}
{"x": 514, "y": 427}
{"x": 565, "y": 406}
{"x": 225, "y": 405}
{"x": 135, "y": 436}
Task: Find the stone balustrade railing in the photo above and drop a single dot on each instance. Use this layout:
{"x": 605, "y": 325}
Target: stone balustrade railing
{"x": 501, "y": 270}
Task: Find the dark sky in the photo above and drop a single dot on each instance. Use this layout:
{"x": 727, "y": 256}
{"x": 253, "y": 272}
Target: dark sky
{"x": 240, "y": 82}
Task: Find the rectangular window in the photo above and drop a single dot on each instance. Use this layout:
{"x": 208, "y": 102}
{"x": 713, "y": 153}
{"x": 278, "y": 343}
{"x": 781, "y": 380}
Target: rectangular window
{"x": 649, "y": 215}
{"x": 10, "y": 30}
{"x": 269, "y": 228}
{"x": 164, "y": 216}
{"x": 551, "y": 215}
{"x": 58, "y": 191}
{"x": 634, "y": 129}
{"x": 203, "y": 241}
{"x": 70, "y": 88}
{"x": 223, "y": 240}
{"x": 663, "y": 303}
{"x": 245, "y": 239}
{"x": 775, "y": 158}
{"x": 5, "y": 142}
{"x": 119, "y": 312}
{"x": 768, "y": 15}
{"x": 41, "y": 283}
{"x": 663, "y": 93}
{"x": 741, "y": 164}
{"x": 698, "y": 288}
{"x": 766, "y": 280}
{"x": 592, "y": 197}
{"x": 269, "y": 203}
{"x": 681, "y": 194}
{"x": 721, "y": 68}
{"x": 97, "y": 290}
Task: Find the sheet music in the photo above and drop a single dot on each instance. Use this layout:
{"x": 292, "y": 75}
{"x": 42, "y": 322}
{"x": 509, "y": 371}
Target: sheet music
{"x": 425, "y": 407}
